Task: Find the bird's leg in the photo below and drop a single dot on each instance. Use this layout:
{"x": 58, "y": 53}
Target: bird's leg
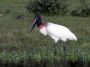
{"x": 55, "y": 49}
{"x": 64, "y": 48}
{"x": 65, "y": 62}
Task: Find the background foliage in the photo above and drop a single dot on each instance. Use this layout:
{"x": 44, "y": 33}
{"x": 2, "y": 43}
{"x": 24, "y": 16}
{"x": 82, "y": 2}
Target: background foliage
{"x": 48, "y": 6}
{"x": 59, "y": 7}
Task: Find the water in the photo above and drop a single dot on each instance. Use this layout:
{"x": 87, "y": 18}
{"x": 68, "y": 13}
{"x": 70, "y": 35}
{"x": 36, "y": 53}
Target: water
{"x": 46, "y": 64}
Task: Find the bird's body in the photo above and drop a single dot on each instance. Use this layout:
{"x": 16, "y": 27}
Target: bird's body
{"x": 55, "y": 31}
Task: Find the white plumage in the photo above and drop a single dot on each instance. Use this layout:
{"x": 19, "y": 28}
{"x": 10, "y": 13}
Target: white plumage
{"x": 58, "y": 32}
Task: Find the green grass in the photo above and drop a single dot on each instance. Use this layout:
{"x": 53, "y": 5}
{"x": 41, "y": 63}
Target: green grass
{"x": 17, "y": 44}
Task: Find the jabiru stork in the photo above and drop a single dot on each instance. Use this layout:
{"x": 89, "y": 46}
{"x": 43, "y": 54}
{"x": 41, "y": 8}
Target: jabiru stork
{"x": 55, "y": 31}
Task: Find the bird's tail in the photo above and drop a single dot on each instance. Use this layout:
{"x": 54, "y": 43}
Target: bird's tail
{"x": 73, "y": 37}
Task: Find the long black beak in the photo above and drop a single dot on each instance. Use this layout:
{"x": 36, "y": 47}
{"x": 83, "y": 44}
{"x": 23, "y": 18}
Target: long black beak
{"x": 34, "y": 23}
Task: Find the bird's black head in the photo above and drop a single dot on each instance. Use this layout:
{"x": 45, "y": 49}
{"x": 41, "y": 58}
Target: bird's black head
{"x": 37, "y": 21}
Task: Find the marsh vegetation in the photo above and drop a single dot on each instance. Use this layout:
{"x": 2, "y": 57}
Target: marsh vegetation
{"x": 17, "y": 45}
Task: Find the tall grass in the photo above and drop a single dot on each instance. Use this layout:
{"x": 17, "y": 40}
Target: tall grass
{"x": 17, "y": 44}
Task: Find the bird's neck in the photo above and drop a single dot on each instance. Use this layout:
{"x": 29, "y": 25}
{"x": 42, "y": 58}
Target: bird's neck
{"x": 41, "y": 26}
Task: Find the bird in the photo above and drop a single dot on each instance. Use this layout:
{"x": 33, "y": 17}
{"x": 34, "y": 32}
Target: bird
{"x": 55, "y": 31}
